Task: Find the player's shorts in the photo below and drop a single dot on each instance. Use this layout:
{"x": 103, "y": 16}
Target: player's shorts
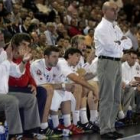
{"x": 59, "y": 97}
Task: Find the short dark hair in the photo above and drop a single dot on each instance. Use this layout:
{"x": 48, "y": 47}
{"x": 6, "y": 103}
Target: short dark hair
{"x": 24, "y": 18}
{"x": 71, "y": 51}
{"x": 50, "y": 49}
{"x": 132, "y": 52}
{"x": 90, "y": 30}
{"x": 19, "y": 37}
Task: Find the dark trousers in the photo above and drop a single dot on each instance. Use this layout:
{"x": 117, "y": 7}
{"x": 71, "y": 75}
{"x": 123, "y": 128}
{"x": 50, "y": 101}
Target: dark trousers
{"x": 41, "y": 98}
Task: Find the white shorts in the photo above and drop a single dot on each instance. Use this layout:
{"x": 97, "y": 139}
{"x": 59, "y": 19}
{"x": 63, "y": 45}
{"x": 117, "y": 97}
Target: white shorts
{"x": 73, "y": 103}
{"x": 59, "y": 97}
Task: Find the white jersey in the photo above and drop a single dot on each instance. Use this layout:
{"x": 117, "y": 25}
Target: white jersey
{"x": 54, "y": 75}
{"x": 92, "y": 68}
{"x": 41, "y": 74}
{"x": 3, "y": 55}
{"x": 65, "y": 69}
{"x": 57, "y": 74}
{"x": 80, "y": 64}
{"x": 128, "y": 73}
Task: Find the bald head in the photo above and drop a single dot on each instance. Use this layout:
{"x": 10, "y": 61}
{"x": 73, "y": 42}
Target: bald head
{"x": 35, "y": 37}
{"x": 108, "y": 5}
{"x": 110, "y": 10}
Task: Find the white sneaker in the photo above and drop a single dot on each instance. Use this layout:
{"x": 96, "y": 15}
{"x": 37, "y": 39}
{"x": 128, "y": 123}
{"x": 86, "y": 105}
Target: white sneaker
{"x": 66, "y": 132}
{"x": 121, "y": 115}
{"x": 40, "y": 136}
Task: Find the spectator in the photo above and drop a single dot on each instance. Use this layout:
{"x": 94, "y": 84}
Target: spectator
{"x": 73, "y": 7}
{"x": 89, "y": 38}
{"x": 131, "y": 33}
{"x": 23, "y": 28}
{"x": 51, "y": 34}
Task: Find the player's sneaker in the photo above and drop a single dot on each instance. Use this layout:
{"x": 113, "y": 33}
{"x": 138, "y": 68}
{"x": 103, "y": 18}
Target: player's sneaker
{"x": 40, "y": 136}
{"x": 73, "y": 129}
{"x": 88, "y": 127}
{"x": 54, "y": 133}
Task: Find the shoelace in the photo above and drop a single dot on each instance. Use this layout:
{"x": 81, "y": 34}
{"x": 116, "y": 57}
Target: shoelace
{"x": 89, "y": 126}
{"x": 19, "y": 137}
{"x": 80, "y": 127}
{"x": 75, "y": 128}
{"x": 49, "y": 132}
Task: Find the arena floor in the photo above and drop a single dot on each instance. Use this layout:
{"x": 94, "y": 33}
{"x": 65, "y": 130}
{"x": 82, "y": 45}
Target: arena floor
{"x": 130, "y": 133}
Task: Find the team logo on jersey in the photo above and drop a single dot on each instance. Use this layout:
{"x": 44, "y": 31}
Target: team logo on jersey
{"x": 48, "y": 78}
{"x": 39, "y": 72}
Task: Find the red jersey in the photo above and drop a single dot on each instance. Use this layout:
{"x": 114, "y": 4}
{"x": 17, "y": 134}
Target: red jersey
{"x": 25, "y": 80}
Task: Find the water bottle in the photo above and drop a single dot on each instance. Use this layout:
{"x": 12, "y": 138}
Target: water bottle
{"x": 66, "y": 132}
{"x": 50, "y": 123}
{"x": 61, "y": 120}
{"x": 129, "y": 114}
{"x": 2, "y": 132}
{"x": 6, "y": 129}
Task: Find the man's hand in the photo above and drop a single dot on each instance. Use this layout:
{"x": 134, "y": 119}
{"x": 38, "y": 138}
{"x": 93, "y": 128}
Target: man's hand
{"x": 137, "y": 78}
{"x": 138, "y": 87}
{"x": 118, "y": 42}
{"x": 25, "y": 53}
{"x": 33, "y": 89}
{"x": 123, "y": 85}
{"x": 27, "y": 57}
{"x": 133, "y": 83}
{"x": 123, "y": 38}
{"x": 81, "y": 71}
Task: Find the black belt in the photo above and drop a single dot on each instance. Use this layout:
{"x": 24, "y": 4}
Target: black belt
{"x": 110, "y": 58}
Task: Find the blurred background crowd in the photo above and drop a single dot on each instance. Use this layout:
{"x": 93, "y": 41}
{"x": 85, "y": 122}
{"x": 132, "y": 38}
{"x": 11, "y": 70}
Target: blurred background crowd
{"x": 55, "y": 22}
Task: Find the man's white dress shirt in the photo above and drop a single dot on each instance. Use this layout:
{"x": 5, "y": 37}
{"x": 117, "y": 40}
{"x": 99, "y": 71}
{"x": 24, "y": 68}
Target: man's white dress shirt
{"x": 128, "y": 73}
{"x": 106, "y": 33}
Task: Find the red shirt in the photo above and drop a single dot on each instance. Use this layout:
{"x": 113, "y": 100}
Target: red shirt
{"x": 74, "y": 31}
{"x": 25, "y": 80}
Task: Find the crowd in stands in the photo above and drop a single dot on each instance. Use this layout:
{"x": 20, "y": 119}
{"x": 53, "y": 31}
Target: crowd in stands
{"x": 53, "y": 42}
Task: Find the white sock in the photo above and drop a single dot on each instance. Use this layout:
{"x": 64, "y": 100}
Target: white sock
{"x": 75, "y": 116}
{"x": 44, "y": 125}
{"x": 93, "y": 115}
{"x": 55, "y": 120}
{"x": 67, "y": 120}
{"x": 121, "y": 114}
{"x": 130, "y": 108}
{"x": 83, "y": 115}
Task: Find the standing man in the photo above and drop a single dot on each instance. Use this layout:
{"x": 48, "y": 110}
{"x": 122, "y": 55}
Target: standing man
{"x": 110, "y": 43}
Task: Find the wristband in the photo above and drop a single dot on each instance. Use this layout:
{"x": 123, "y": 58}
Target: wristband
{"x": 64, "y": 86}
